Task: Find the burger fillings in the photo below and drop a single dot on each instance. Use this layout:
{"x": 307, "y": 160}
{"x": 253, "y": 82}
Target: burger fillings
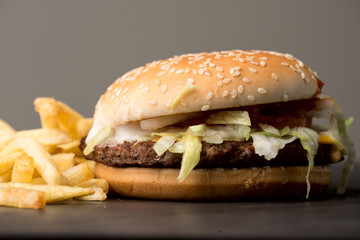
{"x": 178, "y": 104}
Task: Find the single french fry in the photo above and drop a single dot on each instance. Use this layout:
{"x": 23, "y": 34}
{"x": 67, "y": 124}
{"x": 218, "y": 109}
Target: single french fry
{"x": 90, "y": 163}
{"x": 68, "y": 118}
{"x": 6, "y": 177}
{"x": 71, "y": 147}
{"x": 44, "y": 163}
{"x": 22, "y": 198}
{"x": 5, "y": 128}
{"x": 83, "y": 127}
{"x": 37, "y": 180}
{"x": 23, "y": 169}
{"x": 98, "y": 194}
{"x": 102, "y": 183}
{"x": 47, "y": 137}
{"x": 54, "y": 193}
{"x": 64, "y": 161}
{"x": 48, "y": 111}
{"x": 78, "y": 174}
{"x": 7, "y": 161}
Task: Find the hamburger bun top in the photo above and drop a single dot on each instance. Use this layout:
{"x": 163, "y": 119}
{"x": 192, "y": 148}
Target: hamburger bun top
{"x": 204, "y": 81}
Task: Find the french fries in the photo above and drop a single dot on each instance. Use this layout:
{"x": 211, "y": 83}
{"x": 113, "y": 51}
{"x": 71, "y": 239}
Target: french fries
{"x": 46, "y": 165}
{"x": 23, "y": 169}
{"x": 22, "y": 198}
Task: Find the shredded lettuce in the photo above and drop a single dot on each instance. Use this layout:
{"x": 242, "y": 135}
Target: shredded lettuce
{"x": 163, "y": 144}
{"x": 348, "y": 146}
{"x": 100, "y": 136}
{"x": 229, "y": 117}
{"x": 192, "y": 151}
{"x": 269, "y": 146}
{"x": 182, "y": 94}
{"x": 310, "y": 141}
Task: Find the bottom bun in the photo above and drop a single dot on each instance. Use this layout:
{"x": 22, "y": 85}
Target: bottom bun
{"x": 214, "y": 184}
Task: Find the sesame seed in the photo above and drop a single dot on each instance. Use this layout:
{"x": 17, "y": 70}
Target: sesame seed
{"x": 249, "y": 58}
{"x": 190, "y": 80}
{"x": 289, "y": 56}
{"x": 209, "y": 96}
{"x": 157, "y": 81}
{"x": 146, "y": 89}
{"x": 153, "y": 102}
{"x": 313, "y": 77}
{"x": 165, "y": 67}
{"x": 163, "y": 88}
{"x": 139, "y": 114}
{"x": 172, "y": 70}
{"x": 250, "y": 97}
{"x": 241, "y": 89}
{"x": 252, "y": 69}
{"x": 168, "y": 103}
{"x": 236, "y": 68}
{"x": 205, "y": 108}
{"x": 301, "y": 63}
{"x": 303, "y": 75}
{"x": 286, "y": 98}
{"x": 191, "y": 62}
{"x": 201, "y": 71}
{"x": 261, "y": 90}
{"x": 161, "y": 73}
{"x": 242, "y": 60}
{"x": 307, "y": 80}
{"x": 219, "y": 83}
{"x": 233, "y": 94}
{"x": 285, "y": 64}
{"x": 220, "y": 76}
{"x": 236, "y": 73}
{"x": 245, "y": 79}
{"x": 226, "y": 80}
{"x": 179, "y": 71}
{"x": 125, "y": 90}
{"x": 142, "y": 85}
{"x": 263, "y": 63}
{"x": 220, "y": 69}
{"x": 253, "y": 62}
{"x": 212, "y": 64}
{"x": 275, "y": 76}
{"x": 207, "y": 73}
{"x": 293, "y": 68}
{"x": 225, "y": 93}
{"x": 263, "y": 58}
{"x": 187, "y": 70}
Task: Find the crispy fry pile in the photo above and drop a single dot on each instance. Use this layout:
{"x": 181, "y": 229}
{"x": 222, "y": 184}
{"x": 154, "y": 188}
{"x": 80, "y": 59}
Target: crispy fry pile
{"x": 45, "y": 165}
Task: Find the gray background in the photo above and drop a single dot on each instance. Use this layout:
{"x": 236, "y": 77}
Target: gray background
{"x": 72, "y": 50}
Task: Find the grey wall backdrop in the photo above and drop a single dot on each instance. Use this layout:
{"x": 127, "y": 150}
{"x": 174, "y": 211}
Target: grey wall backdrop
{"x": 72, "y": 50}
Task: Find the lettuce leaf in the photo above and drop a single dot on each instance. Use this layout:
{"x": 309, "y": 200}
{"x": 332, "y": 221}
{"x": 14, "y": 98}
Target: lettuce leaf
{"x": 229, "y": 117}
{"x": 192, "y": 151}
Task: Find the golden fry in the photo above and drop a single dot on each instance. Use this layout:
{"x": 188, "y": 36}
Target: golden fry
{"x": 68, "y": 118}
{"x": 23, "y": 169}
{"x": 37, "y": 180}
{"x": 71, "y": 147}
{"x": 102, "y": 183}
{"x": 48, "y": 111}
{"x": 6, "y": 177}
{"x": 98, "y": 194}
{"x": 54, "y": 193}
{"x": 7, "y": 161}
{"x": 83, "y": 127}
{"x": 47, "y": 137}
{"x": 22, "y": 198}
{"x": 64, "y": 161}
{"x": 44, "y": 164}
{"x": 78, "y": 174}
{"x": 90, "y": 163}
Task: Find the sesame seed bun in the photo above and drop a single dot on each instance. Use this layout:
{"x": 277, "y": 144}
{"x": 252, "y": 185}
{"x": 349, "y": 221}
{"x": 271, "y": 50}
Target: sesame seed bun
{"x": 214, "y": 184}
{"x": 222, "y": 80}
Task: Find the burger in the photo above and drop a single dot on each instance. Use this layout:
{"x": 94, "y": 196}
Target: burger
{"x": 226, "y": 125}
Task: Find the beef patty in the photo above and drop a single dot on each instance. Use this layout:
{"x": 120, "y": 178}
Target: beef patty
{"x": 229, "y": 154}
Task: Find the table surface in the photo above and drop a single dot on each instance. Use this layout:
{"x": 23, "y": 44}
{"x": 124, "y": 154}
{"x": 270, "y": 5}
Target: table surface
{"x": 329, "y": 216}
